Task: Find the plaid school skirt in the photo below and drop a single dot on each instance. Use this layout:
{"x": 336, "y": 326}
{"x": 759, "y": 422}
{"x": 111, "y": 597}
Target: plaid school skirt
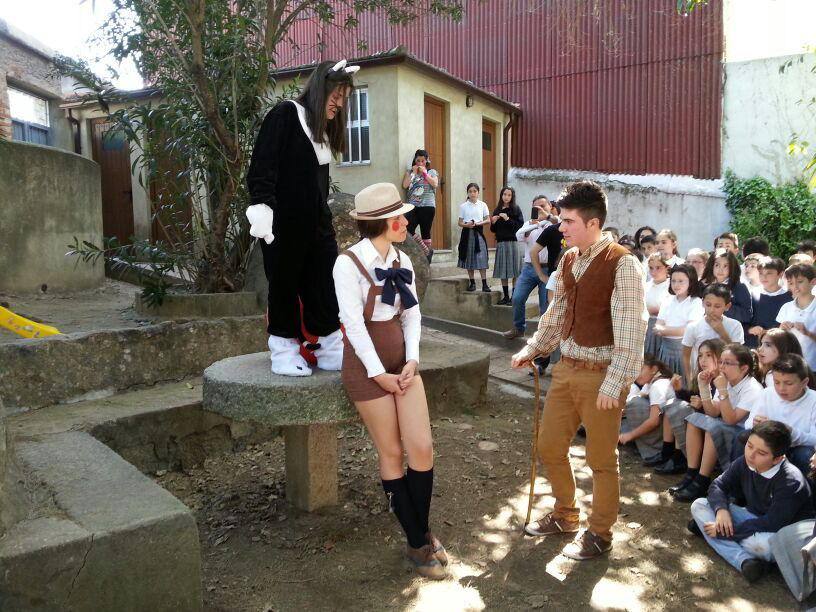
{"x": 725, "y": 436}
{"x": 651, "y": 346}
{"x": 670, "y": 352}
{"x": 474, "y": 260}
{"x": 508, "y": 260}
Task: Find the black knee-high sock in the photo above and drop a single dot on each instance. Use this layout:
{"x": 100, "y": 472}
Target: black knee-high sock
{"x": 399, "y": 500}
{"x": 506, "y": 292}
{"x": 667, "y": 450}
{"x": 420, "y": 486}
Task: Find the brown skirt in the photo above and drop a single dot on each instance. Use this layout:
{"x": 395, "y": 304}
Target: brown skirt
{"x": 390, "y": 346}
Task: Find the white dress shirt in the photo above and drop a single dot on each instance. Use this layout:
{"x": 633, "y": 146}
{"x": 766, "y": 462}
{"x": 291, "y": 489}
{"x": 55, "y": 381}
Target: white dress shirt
{"x": 351, "y": 288}
{"x": 656, "y": 293}
{"x": 791, "y": 313}
{"x": 533, "y": 230}
{"x": 698, "y": 331}
{"x": 799, "y": 415}
{"x": 473, "y": 211}
{"x": 675, "y": 313}
{"x": 746, "y": 395}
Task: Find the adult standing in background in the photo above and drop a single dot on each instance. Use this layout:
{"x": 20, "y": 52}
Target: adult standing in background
{"x": 420, "y": 182}
{"x": 600, "y": 356}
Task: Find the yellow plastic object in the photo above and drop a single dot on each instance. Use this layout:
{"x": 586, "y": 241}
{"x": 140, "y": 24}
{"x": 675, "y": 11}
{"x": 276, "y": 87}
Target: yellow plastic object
{"x": 24, "y": 327}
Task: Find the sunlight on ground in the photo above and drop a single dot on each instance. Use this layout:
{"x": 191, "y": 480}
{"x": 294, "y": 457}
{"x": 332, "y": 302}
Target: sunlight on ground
{"x": 695, "y": 563}
{"x": 612, "y": 594}
{"x": 560, "y": 567}
{"x": 649, "y": 498}
{"x": 447, "y": 595}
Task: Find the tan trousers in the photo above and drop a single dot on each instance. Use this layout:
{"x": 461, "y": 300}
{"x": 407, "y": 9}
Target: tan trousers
{"x": 571, "y": 400}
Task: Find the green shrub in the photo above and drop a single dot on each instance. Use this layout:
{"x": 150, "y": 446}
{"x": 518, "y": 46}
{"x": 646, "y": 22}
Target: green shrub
{"x": 783, "y": 215}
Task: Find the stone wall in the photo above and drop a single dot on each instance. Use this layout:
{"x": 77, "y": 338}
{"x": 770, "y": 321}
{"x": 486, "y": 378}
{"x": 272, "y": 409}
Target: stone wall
{"x": 693, "y": 208}
{"x": 47, "y": 197}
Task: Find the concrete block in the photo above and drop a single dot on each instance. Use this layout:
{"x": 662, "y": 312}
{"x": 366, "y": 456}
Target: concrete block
{"x": 142, "y": 552}
{"x": 311, "y": 465}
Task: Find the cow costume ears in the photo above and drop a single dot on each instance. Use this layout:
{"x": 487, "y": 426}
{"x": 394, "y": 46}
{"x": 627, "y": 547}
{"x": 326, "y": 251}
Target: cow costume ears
{"x": 341, "y": 65}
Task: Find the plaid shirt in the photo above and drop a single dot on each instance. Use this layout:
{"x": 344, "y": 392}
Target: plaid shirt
{"x": 629, "y": 321}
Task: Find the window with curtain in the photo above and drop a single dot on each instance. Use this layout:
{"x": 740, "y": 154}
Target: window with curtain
{"x": 357, "y": 139}
{"x": 29, "y": 117}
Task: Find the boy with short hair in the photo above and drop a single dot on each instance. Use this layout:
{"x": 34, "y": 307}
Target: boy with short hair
{"x": 799, "y": 315}
{"x": 791, "y": 402}
{"x": 756, "y": 244}
{"x": 728, "y": 241}
{"x": 714, "y": 324}
{"x": 772, "y": 296}
{"x": 776, "y": 494}
{"x": 808, "y": 247}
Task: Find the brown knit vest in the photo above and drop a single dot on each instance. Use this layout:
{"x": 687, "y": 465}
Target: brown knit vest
{"x": 588, "y": 318}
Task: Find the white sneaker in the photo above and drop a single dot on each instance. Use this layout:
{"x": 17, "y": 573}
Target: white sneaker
{"x": 330, "y": 354}
{"x": 286, "y": 357}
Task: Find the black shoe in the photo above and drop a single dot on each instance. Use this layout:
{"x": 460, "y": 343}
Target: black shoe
{"x": 694, "y": 528}
{"x": 753, "y": 569}
{"x": 658, "y": 459}
{"x": 485, "y": 287}
{"x": 505, "y": 301}
{"x": 687, "y": 480}
{"x": 672, "y": 466}
{"x": 471, "y": 286}
{"x": 694, "y": 491}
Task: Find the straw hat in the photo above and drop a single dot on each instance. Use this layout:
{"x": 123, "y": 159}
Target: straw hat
{"x": 379, "y": 201}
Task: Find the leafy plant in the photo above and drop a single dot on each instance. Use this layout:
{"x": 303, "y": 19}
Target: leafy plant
{"x": 783, "y": 215}
{"x": 210, "y": 63}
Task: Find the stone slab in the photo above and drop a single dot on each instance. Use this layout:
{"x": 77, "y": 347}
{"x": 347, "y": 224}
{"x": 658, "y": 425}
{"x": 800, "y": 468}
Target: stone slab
{"x": 143, "y": 552}
{"x": 201, "y": 305}
{"x": 59, "y": 369}
{"x": 244, "y": 388}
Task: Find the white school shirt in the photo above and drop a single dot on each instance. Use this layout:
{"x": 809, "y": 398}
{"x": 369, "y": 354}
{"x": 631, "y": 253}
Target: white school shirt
{"x": 473, "y": 211}
{"x": 745, "y": 395}
{"x": 656, "y": 293}
{"x": 351, "y": 288}
{"x": 552, "y": 281}
{"x": 799, "y": 415}
{"x": 790, "y": 312}
{"x": 698, "y": 331}
{"x": 679, "y": 314}
{"x": 659, "y": 392}
{"x": 535, "y": 228}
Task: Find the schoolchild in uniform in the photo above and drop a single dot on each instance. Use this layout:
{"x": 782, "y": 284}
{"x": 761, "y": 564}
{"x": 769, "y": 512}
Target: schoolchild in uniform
{"x": 376, "y": 293}
{"x": 473, "y": 216}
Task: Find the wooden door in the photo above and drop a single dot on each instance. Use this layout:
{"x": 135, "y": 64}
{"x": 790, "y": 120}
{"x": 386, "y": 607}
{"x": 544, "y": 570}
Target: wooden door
{"x": 490, "y": 191}
{"x": 171, "y": 214}
{"x": 436, "y": 144}
{"x": 112, "y": 152}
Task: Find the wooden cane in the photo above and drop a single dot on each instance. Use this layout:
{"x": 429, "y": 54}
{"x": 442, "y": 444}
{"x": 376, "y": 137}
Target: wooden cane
{"x": 534, "y": 449}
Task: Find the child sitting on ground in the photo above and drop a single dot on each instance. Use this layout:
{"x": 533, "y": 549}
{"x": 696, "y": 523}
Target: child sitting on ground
{"x": 799, "y": 315}
{"x": 713, "y": 436}
{"x": 687, "y": 401}
{"x": 774, "y": 344}
{"x": 641, "y": 415}
{"x": 770, "y": 299}
{"x": 776, "y": 494}
{"x": 714, "y": 324}
{"x": 794, "y": 404}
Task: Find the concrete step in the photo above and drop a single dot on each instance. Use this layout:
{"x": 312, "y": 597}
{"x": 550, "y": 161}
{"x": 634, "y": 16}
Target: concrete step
{"x": 447, "y": 298}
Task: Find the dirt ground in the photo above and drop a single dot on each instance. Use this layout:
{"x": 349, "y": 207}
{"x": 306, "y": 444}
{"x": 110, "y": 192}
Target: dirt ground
{"x": 259, "y": 553}
{"x": 108, "y": 307}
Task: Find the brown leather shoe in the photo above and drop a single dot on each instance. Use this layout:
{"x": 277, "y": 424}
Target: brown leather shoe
{"x": 425, "y": 563}
{"x": 586, "y": 545}
{"x": 438, "y": 550}
{"x": 550, "y": 525}
{"x": 513, "y": 333}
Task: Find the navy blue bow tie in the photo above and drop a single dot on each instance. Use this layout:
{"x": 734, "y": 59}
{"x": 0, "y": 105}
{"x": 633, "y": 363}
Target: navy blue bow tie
{"x": 396, "y": 279}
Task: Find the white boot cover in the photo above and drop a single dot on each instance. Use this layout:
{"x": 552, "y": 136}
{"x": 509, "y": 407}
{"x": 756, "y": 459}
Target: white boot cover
{"x": 330, "y": 354}
{"x": 286, "y": 357}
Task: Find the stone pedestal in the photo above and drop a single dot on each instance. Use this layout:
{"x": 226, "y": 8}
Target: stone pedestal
{"x": 311, "y": 465}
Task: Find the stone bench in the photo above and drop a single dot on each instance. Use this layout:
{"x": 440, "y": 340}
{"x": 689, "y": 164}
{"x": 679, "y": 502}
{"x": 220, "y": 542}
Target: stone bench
{"x": 309, "y": 409}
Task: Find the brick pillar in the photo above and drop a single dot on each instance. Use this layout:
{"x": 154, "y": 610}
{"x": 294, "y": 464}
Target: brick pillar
{"x": 5, "y": 111}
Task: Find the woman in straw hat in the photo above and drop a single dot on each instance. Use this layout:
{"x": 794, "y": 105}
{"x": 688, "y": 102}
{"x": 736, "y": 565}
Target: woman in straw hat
{"x": 376, "y": 293}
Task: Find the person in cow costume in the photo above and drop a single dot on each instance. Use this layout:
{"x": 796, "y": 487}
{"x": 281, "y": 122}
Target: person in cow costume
{"x": 288, "y": 182}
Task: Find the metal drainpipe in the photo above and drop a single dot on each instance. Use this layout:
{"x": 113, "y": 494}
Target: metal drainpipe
{"x": 505, "y": 140}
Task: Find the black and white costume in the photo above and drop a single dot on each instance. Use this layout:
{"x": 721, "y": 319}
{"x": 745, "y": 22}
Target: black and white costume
{"x": 288, "y": 182}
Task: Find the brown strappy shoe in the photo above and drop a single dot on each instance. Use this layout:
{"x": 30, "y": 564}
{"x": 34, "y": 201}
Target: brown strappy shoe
{"x": 438, "y": 550}
{"x": 425, "y": 563}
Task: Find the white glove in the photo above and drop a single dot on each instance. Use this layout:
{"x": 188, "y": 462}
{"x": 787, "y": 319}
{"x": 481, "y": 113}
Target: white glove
{"x": 260, "y": 220}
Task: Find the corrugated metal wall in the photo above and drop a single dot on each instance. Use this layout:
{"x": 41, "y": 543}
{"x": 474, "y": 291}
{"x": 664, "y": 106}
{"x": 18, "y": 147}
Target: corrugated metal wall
{"x": 624, "y": 86}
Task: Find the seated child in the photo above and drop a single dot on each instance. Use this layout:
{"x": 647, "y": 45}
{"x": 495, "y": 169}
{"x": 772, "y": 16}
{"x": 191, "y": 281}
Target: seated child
{"x": 712, "y": 436}
{"x": 769, "y": 300}
{"x": 799, "y": 315}
{"x": 776, "y": 494}
{"x": 641, "y": 415}
{"x": 791, "y": 402}
{"x": 714, "y": 324}
{"x": 686, "y": 402}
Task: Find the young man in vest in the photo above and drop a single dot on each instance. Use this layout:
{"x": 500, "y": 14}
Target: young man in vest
{"x": 601, "y": 355}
